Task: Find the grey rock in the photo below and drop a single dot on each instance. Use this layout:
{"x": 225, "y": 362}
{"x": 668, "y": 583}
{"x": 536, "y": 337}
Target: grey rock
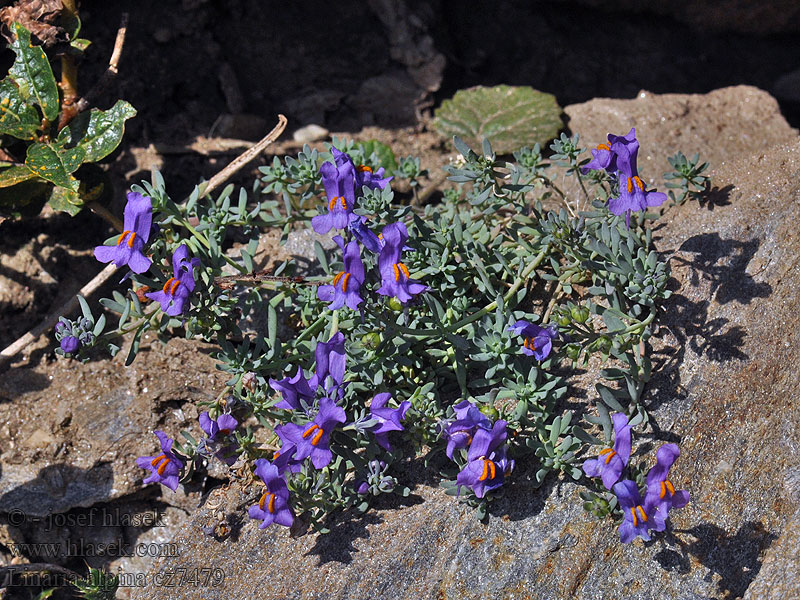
{"x": 310, "y": 133}
{"x": 725, "y": 389}
{"x": 740, "y": 16}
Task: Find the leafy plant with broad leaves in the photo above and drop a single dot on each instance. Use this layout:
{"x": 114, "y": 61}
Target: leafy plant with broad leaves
{"x": 47, "y": 158}
{"x": 509, "y": 117}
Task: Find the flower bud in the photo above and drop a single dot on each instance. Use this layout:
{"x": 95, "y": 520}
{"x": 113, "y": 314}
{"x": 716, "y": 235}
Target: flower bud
{"x": 70, "y": 344}
{"x": 580, "y": 314}
{"x": 573, "y": 351}
{"x": 490, "y": 411}
{"x": 371, "y": 340}
{"x": 394, "y": 304}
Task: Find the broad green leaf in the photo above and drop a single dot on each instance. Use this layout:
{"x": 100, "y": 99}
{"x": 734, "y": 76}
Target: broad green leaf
{"x": 98, "y": 132}
{"x": 385, "y": 154}
{"x": 510, "y": 117}
{"x": 24, "y": 199}
{"x": 15, "y": 175}
{"x": 17, "y": 117}
{"x": 55, "y": 164}
{"x": 32, "y": 73}
{"x": 65, "y": 200}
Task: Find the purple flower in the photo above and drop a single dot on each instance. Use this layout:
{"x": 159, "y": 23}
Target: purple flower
{"x": 538, "y": 341}
{"x": 618, "y": 157}
{"x": 292, "y": 390}
{"x": 395, "y": 278}
{"x": 660, "y": 491}
{"x": 313, "y": 439}
{"x": 285, "y": 458}
{"x": 459, "y": 433}
{"x": 70, "y": 344}
{"x": 330, "y": 359}
{"x": 633, "y": 196}
{"x": 362, "y": 233}
{"x": 138, "y": 219}
{"x": 273, "y": 506}
{"x": 609, "y": 465}
{"x": 637, "y": 515}
{"x": 166, "y": 467}
{"x": 346, "y": 284}
{"x": 339, "y": 182}
{"x": 388, "y": 418}
{"x": 364, "y": 174}
{"x": 223, "y": 426}
{"x": 488, "y": 463}
{"x": 177, "y": 289}
{"x": 619, "y": 154}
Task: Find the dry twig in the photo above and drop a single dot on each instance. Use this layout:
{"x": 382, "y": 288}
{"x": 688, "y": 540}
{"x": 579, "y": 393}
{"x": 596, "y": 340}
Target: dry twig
{"x": 106, "y": 273}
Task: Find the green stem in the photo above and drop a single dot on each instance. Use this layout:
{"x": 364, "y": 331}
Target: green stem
{"x": 509, "y": 294}
{"x": 204, "y": 240}
{"x": 640, "y": 324}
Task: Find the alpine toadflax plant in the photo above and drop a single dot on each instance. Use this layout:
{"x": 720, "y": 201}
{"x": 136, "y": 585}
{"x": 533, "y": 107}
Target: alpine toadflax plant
{"x": 450, "y": 338}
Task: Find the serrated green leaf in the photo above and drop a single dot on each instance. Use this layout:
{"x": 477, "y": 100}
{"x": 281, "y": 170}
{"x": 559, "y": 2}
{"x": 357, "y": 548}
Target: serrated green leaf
{"x": 98, "y": 132}
{"x": 510, "y": 117}
{"x": 65, "y": 200}
{"x": 32, "y": 73}
{"x": 17, "y": 118}
{"x": 55, "y": 164}
{"x": 385, "y": 154}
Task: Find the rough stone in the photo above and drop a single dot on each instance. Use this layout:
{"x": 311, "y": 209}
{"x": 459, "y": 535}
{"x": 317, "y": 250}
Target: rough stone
{"x": 721, "y": 125}
{"x": 725, "y": 390}
{"x": 109, "y": 407}
{"x": 740, "y": 16}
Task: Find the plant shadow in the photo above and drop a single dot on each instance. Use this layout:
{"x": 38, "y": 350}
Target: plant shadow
{"x": 735, "y": 558}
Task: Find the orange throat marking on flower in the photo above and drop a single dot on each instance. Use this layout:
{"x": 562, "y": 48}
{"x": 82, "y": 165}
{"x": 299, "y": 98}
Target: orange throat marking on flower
{"x": 270, "y": 503}
{"x": 605, "y": 147}
{"x": 642, "y": 515}
{"x": 489, "y": 470}
{"x": 635, "y": 180}
{"x": 530, "y": 344}
{"x": 160, "y": 463}
{"x": 611, "y": 454}
{"x": 666, "y": 486}
{"x": 317, "y": 436}
{"x": 130, "y": 239}
{"x": 400, "y": 268}
{"x": 344, "y": 277}
{"x": 336, "y": 199}
{"x": 363, "y": 168}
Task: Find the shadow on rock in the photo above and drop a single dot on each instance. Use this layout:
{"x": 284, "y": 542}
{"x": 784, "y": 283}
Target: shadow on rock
{"x": 723, "y": 264}
{"x": 736, "y": 559}
{"x": 345, "y": 528}
{"x": 714, "y": 197}
{"x": 57, "y": 488}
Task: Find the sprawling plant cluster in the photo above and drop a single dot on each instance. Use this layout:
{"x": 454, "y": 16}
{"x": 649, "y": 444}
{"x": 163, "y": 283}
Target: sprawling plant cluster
{"x": 449, "y": 331}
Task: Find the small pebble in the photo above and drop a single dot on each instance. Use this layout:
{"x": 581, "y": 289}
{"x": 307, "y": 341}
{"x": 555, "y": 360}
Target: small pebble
{"x": 310, "y": 133}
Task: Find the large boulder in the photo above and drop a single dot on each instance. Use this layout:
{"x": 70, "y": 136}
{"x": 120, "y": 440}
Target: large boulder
{"x": 726, "y": 391}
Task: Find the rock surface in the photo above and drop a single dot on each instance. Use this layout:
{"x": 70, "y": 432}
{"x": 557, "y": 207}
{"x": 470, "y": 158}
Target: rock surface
{"x": 726, "y": 390}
